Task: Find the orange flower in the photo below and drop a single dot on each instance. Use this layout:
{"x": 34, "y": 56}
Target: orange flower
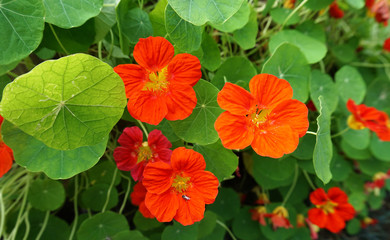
{"x": 375, "y": 120}
{"x": 161, "y": 85}
{"x": 258, "y": 214}
{"x": 133, "y": 154}
{"x": 265, "y": 118}
{"x": 289, "y": 4}
{"x": 6, "y": 155}
{"x": 335, "y": 11}
{"x": 138, "y": 199}
{"x": 279, "y": 218}
{"x": 332, "y": 209}
{"x": 179, "y": 191}
{"x": 386, "y": 45}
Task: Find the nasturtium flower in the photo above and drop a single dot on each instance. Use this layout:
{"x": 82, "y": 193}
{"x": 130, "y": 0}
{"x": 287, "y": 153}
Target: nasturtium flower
{"x": 335, "y": 11}
{"x": 279, "y": 218}
{"x": 161, "y": 85}
{"x": 258, "y": 214}
{"x": 181, "y": 189}
{"x": 289, "y": 4}
{"x": 367, "y": 221}
{"x": 377, "y": 184}
{"x": 300, "y": 221}
{"x": 267, "y": 118}
{"x": 386, "y": 45}
{"x": 6, "y": 155}
{"x": 138, "y": 199}
{"x": 378, "y": 9}
{"x": 369, "y": 117}
{"x": 332, "y": 209}
{"x": 134, "y": 154}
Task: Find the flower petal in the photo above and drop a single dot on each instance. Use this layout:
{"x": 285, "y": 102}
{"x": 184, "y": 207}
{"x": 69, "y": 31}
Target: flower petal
{"x": 133, "y": 76}
{"x": 318, "y": 197}
{"x": 345, "y": 211}
{"x": 184, "y": 69}
{"x": 125, "y": 158}
{"x": 318, "y": 217}
{"x": 153, "y": 53}
{"x": 157, "y": 140}
{"x": 163, "y": 206}
{"x": 275, "y": 141}
{"x": 148, "y": 107}
{"x": 145, "y": 211}
{"x": 234, "y": 131}
{"x": 205, "y": 184}
{"x": 235, "y": 99}
{"x": 181, "y": 101}
{"x": 269, "y": 90}
{"x": 137, "y": 172}
{"x": 187, "y": 160}
{"x": 190, "y": 211}
{"x": 292, "y": 113}
{"x": 6, "y": 159}
{"x": 335, "y": 223}
{"x": 131, "y": 138}
{"x": 157, "y": 177}
{"x": 337, "y": 195}
{"x": 138, "y": 194}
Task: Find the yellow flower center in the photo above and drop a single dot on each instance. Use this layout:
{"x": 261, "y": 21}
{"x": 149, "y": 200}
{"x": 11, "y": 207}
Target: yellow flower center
{"x": 354, "y": 124}
{"x": 328, "y": 207}
{"x": 157, "y": 81}
{"x": 261, "y": 210}
{"x": 379, "y": 175}
{"x": 260, "y": 116}
{"x": 144, "y": 153}
{"x": 181, "y": 184}
{"x": 281, "y": 211}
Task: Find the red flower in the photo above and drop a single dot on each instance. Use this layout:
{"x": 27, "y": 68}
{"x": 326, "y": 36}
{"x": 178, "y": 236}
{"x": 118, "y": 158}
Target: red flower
{"x": 335, "y": 11}
{"x": 386, "y": 45}
{"x": 370, "y": 3}
{"x": 258, "y": 214}
{"x": 138, "y": 199}
{"x": 367, "y": 221}
{"x": 279, "y": 218}
{"x": 133, "y": 154}
{"x": 377, "y": 184}
{"x": 332, "y": 209}
{"x": 161, "y": 85}
{"x": 265, "y": 118}
{"x": 179, "y": 191}
{"x": 6, "y": 155}
{"x": 363, "y": 116}
{"x": 379, "y": 9}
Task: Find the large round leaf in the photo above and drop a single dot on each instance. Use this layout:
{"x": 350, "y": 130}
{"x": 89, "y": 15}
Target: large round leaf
{"x": 199, "y": 126}
{"x": 95, "y": 197}
{"x": 66, "y": 103}
{"x": 136, "y": 24}
{"x": 46, "y": 194}
{"x": 57, "y": 164}
{"x": 237, "y": 21}
{"x": 350, "y": 84}
{"x": 380, "y": 149}
{"x": 198, "y": 12}
{"x": 246, "y": 36}
{"x": 321, "y": 84}
{"x": 227, "y": 199}
{"x": 179, "y": 232}
{"x": 21, "y": 24}
{"x": 71, "y": 13}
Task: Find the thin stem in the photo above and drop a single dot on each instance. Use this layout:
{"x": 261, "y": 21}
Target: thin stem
{"x": 143, "y": 128}
{"x": 293, "y": 12}
{"x": 58, "y": 40}
{"x": 112, "y": 44}
{"x": 312, "y": 133}
{"x": 309, "y": 180}
{"x": 294, "y": 183}
{"x": 100, "y": 50}
{"x": 2, "y": 213}
{"x": 322, "y": 66}
{"x": 14, "y": 75}
{"x": 126, "y": 195}
{"x": 369, "y": 65}
{"x": 227, "y": 229}
{"x": 109, "y": 190}
{"x": 27, "y": 222}
{"x": 76, "y": 212}
{"x": 340, "y": 133}
{"x": 43, "y": 226}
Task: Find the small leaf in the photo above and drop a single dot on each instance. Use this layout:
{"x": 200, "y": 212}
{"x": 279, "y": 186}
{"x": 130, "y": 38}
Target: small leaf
{"x": 357, "y": 4}
{"x": 95, "y": 197}
{"x": 313, "y": 30}
{"x": 276, "y": 169}
{"x": 380, "y": 149}
{"x": 359, "y": 139}
{"x": 46, "y": 195}
{"x": 179, "y": 232}
{"x": 353, "y": 226}
{"x": 321, "y": 84}
{"x": 378, "y": 94}
{"x": 106, "y": 19}
{"x": 136, "y": 24}
{"x": 279, "y": 15}
{"x": 340, "y": 168}
{"x": 237, "y": 21}
{"x": 246, "y": 228}
{"x": 103, "y": 172}
{"x": 305, "y": 147}
{"x": 211, "y": 55}
{"x": 126, "y": 235}
{"x": 323, "y": 149}
{"x": 354, "y": 153}
{"x": 157, "y": 18}
{"x": 145, "y": 224}
{"x": 246, "y": 36}
{"x": 357, "y": 200}
{"x": 350, "y": 84}
{"x": 207, "y": 224}
{"x": 227, "y": 199}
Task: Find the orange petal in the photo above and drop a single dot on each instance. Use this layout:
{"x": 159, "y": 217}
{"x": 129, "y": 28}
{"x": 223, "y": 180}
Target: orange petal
{"x": 292, "y": 113}
{"x": 187, "y": 160}
{"x": 6, "y": 159}
{"x": 181, "y": 101}
{"x": 234, "y": 131}
{"x": 157, "y": 177}
{"x": 145, "y": 211}
{"x": 345, "y": 211}
{"x": 163, "y": 206}
{"x": 384, "y": 134}
{"x": 153, "y": 53}
{"x": 318, "y": 217}
{"x": 318, "y": 197}
{"x": 205, "y": 184}
{"x": 148, "y": 107}
{"x": 190, "y": 211}
{"x": 184, "y": 69}
{"x": 275, "y": 141}
{"x": 270, "y": 90}
{"x": 337, "y": 195}
{"x": 335, "y": 223}
{"x": 235, "y": 99}
{"x": 138, "y": 194}
{"x": 133, "y": 76}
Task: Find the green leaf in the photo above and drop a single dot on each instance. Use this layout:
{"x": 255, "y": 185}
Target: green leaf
{"x": 217, "y": 234}
{"x": 106, "y": 19}
{"x": 165, "y": 128}
{"x": 102, "y": 226}
{"x": 372, "y": 166}
{"x": 103, "y": 172}
{"x": 207, "y": 224}
{"x": 72, "y": 13}
{"x": 321, "y": 84}
{"x": 186, "y": 36}
{"x": 179, "y": 232}
{"x": 211, "y": 55}
{"x": 357, "y": 4}
{"x": 237, "y": 21}
{"x": 246, "y": 228}
{"x": 340, "y": 168}
{"x": 56, "y": 164}
{"x": 318, "y": 5}
{"x": 280, "y": 233}
{"x": 353, "y": 226}
{"x": 46, "y": 195}
{"x": 378, "y": 94}
{"x": 95, "y": 197}
{"x": 279, "y": 15}
{"x": 157, "y": 18}
{"x": 276, "y": 169}
{"x": 246, "y": 36}
{"x": 198, "y": 12}
{"x": 199, "y": 126}
{"x": 288, "y": 62}
{"x": 355, "y": 183}
{"x": 357, "y": 200}
{"x": 219, "y": 160}
{"x": 323, "y": 150}
{"x": 21, "y": 24}
{"x": 66, "y": 103}
{"x": 312, "y": 49}
{"x": 145, "y": 224}
{"x": 375, "y": 202}
{"x": 4, "y": 80}
{"x": 354, "y": 153}
{"x": 359, "y": 139}
{"x": 380, "y": 149}
{"x": 345, "y": 53}
{"x": 8, "y": 67}
{"x": 233, "y": 70}
{"x": 305, "y": 148}
{"x": 313, "y": 30}
{"x": 227, "y": 199}
{"x": 136, "y": 24}
{"x": 126, "y": 235}
{"x": 350, "y": 84}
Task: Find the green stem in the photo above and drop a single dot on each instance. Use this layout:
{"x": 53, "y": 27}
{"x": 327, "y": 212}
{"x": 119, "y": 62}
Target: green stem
{"x": 312, "y": 133}
{"x": 227, "y": 229}
{"x": 100, "y": 50}
{"x": 309, "y": 180}
{"x": 27, "y": 222}
{"x": 75, "y": 209}
{"x": 58, "y": 40}
{"x": 293, "y": 12}
{"x": 340, "y": 133}
{"x": 112, "y": 44}
{"x": 14, "y": 75}
{"x": 109, "y": 190}
{"x": 369, "y": 65}
{"x": 143, "y": 128}
{"x": 294, "y": 183}
{"x": 2, "y": 213}
{"x": 43, "y": 226}
{"x": 322, "y": 66}
{"x": 126, "y": 195}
